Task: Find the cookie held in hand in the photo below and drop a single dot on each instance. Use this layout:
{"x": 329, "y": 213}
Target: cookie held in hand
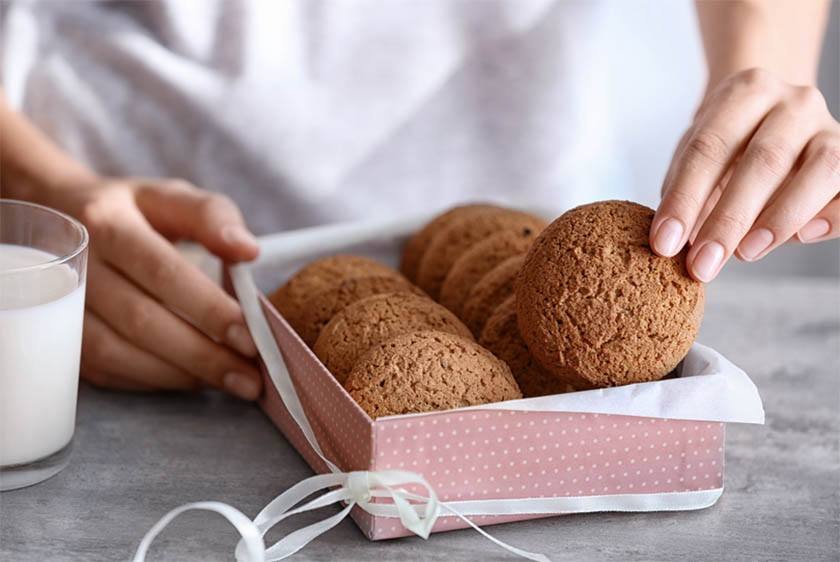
{"x": 597, "y": 307}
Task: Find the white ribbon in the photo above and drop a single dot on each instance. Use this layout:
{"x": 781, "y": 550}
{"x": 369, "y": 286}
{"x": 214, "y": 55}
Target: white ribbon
{"x": 354, "y": 488}
{"x": 417, "y": 513}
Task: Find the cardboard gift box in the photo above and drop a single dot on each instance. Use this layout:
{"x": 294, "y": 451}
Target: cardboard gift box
{"x": 642, "y": 447}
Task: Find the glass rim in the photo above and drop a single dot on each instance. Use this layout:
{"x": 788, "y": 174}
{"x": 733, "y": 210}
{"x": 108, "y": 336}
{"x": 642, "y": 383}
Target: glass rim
{"x": 58, "y": 260}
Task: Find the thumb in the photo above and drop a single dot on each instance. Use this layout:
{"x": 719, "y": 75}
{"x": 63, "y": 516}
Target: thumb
{"x": 178, "y": 209}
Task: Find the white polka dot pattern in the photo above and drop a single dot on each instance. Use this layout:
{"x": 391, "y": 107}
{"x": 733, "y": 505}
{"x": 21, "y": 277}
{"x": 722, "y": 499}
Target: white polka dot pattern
{"x": 506, "y": 454}
{"x": 493, "y": 454}
{"x": 342, "y": 428}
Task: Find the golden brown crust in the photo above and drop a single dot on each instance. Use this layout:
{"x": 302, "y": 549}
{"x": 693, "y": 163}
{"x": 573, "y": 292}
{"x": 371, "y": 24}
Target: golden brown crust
{"x": 417, "y": 245}
{"x": 491, "y": 291}
{"x": 450, "y": 243}
{"x": 320, "y": 275}
{"x": 479, "y": 260}
{"x": 322, "y": 306}
{"x": 596, "y": 306}
{"x": 501, "y": 336}
{"x": 370, "y": 321}
{"x": 428, "y": 371}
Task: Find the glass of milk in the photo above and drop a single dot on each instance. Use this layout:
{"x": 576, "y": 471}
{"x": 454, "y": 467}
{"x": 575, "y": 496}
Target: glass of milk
{"x": 43, "y": 256}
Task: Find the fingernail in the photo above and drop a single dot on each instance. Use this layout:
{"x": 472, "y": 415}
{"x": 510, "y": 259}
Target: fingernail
{"x": 668, "y": 237}
{"x": 754, "y": 243}
{"x": 244, "y": 386}
{"x": 707, "y": 261}
{"x": 238, "y": 337}
{"x": 235, "y": 234}
{"x": 814, "y": 230}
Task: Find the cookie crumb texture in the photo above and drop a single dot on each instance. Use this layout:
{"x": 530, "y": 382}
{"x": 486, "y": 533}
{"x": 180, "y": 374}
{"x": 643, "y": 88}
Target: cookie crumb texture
{"x": 597, "y": 307}
{"x": 479, "y": 260}
{"x": 490, "y": 292}
{"x": 501, "y": 336}
{"x": 417, "y": 245}
{"x": 322, "y": 306}
{"x": 373, "y": 320}
{"x": 450, "y": 243}
{"x": 428, "y": 371}
{"x": 321, "y": 275}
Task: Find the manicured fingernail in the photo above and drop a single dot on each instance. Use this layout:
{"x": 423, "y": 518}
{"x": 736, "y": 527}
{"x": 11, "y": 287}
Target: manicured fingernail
{"x": 814, "y": 230}
{"x": 238, "y": 337}
{"x": 244, "y": 386}
{"x": 235, "y": 234}
{"x": 668, "y": 237}
{"x": 707, "y": 261}
{"x": 754, "y": 243}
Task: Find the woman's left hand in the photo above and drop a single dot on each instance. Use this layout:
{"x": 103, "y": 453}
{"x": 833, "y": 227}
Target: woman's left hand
{"x": 760, "y": 165}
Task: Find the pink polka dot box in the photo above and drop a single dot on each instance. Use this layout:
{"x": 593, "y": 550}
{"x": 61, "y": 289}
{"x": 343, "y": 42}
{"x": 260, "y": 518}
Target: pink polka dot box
{"x": 646, "y": 447}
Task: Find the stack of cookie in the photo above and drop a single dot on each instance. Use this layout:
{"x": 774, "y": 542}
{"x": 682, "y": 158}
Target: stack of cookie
{"x": 393, "y": 348}
{"x": 582, "y": 303}
{"x": 468, "y": 258}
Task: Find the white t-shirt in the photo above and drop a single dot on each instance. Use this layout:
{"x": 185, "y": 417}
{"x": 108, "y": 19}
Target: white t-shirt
{"x": 314, "y": 111}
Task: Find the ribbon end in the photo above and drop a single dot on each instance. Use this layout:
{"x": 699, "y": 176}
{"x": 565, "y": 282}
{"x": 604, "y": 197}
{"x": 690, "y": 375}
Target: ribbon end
{"x": 422, "y": 533}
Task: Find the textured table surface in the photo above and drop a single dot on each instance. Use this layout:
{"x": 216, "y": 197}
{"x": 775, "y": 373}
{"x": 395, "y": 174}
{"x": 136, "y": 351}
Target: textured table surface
{"x": 138, "y": 456}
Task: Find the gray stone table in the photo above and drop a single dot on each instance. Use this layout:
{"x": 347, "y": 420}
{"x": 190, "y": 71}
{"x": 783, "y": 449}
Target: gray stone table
{"x": 138, "y": 456}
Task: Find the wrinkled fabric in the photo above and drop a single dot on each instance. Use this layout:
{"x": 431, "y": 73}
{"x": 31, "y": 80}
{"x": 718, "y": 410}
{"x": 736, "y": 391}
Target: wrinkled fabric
{"x": 319, "y": 111}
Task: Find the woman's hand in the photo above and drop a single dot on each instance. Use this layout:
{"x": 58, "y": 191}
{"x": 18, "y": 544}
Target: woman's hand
{"x": 760, "y": 165}
{"x": 152, "y": 319}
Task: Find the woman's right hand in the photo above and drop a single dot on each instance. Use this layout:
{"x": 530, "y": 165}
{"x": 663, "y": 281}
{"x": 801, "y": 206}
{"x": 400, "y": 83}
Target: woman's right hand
{"x": 152, "y": 319}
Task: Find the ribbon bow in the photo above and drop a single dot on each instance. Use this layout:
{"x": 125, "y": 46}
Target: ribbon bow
{"x": 417, "y": 513}
{"x": 359, "y": 488}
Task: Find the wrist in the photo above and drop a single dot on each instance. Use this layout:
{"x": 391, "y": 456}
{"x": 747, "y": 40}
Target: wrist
{"x": 782, "y": 38}
{"x": 72, "y": 178}
{"x": 49, "y": 186}
{"x": 34, "y": 168}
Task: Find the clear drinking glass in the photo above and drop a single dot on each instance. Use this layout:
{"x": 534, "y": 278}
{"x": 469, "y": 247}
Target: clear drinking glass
{"x": 43, "y": 257}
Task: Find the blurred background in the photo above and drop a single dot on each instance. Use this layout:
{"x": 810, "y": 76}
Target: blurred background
{"x": 641, "y": 73}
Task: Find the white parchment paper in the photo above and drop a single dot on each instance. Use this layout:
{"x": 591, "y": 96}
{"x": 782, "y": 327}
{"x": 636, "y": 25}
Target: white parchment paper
{"x": 709, "y": 387}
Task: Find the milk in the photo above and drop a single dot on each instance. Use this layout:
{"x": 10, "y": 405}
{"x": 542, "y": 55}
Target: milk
{"x": 40, "y": 344}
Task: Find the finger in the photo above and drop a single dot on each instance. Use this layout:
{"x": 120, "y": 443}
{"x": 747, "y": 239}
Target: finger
{"x": 667, "y": 182}
{"x": 716, "y": 139}
{"x": 153, "y": 263}
{"x": 708, "y": 207}
{"x": 103, "y": 350}
{"x": 113, "y": 382}
{"x": 766, "y": 162}
{"x": 808, "y": 195}
{"x": 824, "y": 226}
{"x": 180, "y": 209}
{"x": 149, "y": 326}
